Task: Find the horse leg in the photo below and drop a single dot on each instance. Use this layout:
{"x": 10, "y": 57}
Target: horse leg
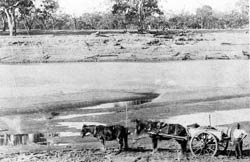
{"x": 155, "y": 142}
{"x": 120, "y": 143}
{"x": 125, "y": 138}
{"x": 183, "y": 145}
{"x": 103, "y": 143}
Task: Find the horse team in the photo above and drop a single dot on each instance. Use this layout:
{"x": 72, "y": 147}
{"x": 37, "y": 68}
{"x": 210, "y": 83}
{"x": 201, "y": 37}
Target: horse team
{"x": 142, "y": 128}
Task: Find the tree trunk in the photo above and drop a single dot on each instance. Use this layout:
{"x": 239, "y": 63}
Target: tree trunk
{"x": 141, "y": 17}
{"x": 28, "y": 25}
{"x": 27, "y": 28}
{"x": 15, "y": 26}
{"x": 44, "y": 24}
{"x": 53, "y": 22}
{"x": 11, "y": 30}
{"x": 75, "y": 23}
{"x": 4, "y": 24}
{"x": 11, "y": 20}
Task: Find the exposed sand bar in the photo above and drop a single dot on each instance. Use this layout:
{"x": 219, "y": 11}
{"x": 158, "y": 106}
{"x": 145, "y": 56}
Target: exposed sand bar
{"x": 78, "y": 125}
{"x": 217, "y": 117}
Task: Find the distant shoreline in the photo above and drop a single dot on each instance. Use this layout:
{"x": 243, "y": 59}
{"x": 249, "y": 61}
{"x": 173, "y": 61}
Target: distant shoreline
{"x": 119, "y": 46}
{"x": 118, "y": 31}
{"x": 110, "y": 61}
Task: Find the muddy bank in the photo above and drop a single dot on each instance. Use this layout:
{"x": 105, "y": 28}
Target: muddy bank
{"x": 125, "y": 47}
{"x": 69, "y": 101}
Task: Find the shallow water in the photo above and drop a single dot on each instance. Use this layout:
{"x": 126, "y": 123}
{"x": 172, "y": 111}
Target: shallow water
{"x": 217, "y": 117}
{"x": 118, "y": 104}
{"x": 78, "y": 125}
{"x": 69, "y": 134}
{"x": 45, "y": 79}
{"x": 82, "y": 115}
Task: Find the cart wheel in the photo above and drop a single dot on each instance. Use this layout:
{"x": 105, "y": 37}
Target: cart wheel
{"x": 204, "y": 144}
{"x": 223, "y": 145}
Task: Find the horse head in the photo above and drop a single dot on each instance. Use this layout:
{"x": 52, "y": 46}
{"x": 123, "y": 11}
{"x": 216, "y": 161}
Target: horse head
{"x": 142, "y": 126}
{"x": 87, "y": 130}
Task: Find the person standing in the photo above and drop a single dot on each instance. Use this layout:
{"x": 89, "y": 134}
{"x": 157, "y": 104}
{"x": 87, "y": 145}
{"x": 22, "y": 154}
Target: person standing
{"x": 238, "y": 135}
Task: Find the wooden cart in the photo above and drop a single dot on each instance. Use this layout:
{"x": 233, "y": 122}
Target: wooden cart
{"x": 203, "y": 141}
{"x": 207, "y": 141}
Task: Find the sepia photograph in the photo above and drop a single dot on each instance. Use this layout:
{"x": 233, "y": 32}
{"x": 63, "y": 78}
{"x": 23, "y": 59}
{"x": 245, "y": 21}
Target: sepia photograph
{"x": 124, "y": 81}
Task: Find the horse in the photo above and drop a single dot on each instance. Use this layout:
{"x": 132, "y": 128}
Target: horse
{"x": 153, "y": 128}
{"x": 107, "y": 133}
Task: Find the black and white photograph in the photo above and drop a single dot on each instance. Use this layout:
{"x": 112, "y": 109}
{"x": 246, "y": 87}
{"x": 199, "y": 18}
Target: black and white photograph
{"x": 124, "y": 81}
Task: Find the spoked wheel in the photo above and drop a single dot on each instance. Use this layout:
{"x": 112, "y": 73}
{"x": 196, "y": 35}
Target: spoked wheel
{"x": 223, "y": 146}
{"x": 204, "y": 144}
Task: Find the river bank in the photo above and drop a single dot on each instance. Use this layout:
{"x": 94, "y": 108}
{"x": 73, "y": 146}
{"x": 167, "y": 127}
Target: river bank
{"x": 124, "y": 47}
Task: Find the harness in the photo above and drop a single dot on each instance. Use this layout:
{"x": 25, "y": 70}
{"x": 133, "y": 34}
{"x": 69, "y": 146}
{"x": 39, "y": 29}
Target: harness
{"x": 95, "y": 132}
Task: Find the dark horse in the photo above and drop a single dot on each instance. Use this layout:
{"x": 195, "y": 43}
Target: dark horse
{"x": 107, "y": 133}
{"x": 155, "y": 128}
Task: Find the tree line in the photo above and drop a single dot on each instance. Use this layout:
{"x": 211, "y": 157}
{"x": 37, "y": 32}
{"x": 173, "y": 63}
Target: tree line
{"x": 125, "y": 14}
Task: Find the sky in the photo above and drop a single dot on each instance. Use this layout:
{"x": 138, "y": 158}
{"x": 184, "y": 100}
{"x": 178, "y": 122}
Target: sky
{"x": 77, "y": 7}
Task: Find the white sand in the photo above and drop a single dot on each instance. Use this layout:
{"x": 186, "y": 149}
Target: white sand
{"x": 217, "y": 117}
{"x": 78, "y": 125}
{"x": 82, "y": 115}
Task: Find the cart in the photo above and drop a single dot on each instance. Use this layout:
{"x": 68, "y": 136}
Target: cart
{"x": 203, "y": 141}
{"x": 207, "y": 141}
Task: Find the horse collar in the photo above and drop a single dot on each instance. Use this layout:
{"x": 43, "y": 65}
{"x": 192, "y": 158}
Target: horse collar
{"x": 95, "y": 132}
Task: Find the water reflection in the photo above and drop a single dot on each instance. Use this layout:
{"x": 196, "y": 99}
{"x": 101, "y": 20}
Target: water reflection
{"x": 83, "y": 115}
{"x": 119, "y": 104}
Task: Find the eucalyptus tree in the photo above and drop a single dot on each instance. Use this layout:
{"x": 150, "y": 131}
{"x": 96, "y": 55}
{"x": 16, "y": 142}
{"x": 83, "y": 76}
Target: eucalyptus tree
{"x": 136, "y": 11}
{"x": 4, "y": 21}
{"x": 204, "y": 14}
{"x": 10, "y": 8}
{"x": 45, "y": 13}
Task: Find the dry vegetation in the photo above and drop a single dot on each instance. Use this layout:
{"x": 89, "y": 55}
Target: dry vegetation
{"x": 125, "y": 47}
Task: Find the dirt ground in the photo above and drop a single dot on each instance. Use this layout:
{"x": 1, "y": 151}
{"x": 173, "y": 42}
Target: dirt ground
{"x": 139, "y": 152}
{"x": 185, "y": 45}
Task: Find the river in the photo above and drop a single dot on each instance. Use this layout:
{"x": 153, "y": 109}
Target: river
{"x": 45, "y": 79}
